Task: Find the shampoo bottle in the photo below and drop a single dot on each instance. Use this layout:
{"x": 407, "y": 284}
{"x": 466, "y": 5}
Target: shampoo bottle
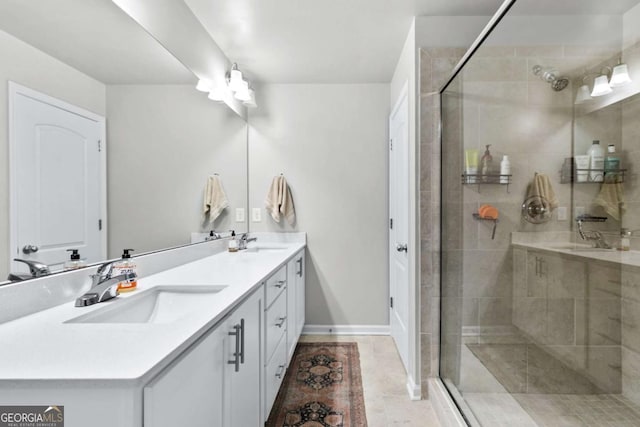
{"x": 486, "y": 164}
{"x": 125, "y": 265}
{"x": 596, "y": 162}
{"x": 612, "y": 161}
{"x": 471, "y": 165}
{"x": 74, "y": 262}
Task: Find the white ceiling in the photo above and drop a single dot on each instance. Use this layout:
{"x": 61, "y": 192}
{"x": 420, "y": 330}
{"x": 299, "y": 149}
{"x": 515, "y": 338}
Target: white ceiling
{"x": 95, "y": 37}
{"x": 344, "y": 41}
{"x": 319, "y": 41}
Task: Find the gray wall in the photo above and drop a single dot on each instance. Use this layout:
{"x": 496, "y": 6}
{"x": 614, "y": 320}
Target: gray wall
{"x": 329, "y": 141}
{"x": 163, "y": 143}
{"x": 30, "y": 67}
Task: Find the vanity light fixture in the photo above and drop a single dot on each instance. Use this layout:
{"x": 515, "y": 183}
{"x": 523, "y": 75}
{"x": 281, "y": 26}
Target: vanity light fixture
{"x": 204, "y": 85}
{"x": 620, "y": 75}
{"x": 234, "y": 78}
{"x": 583, "y": 94}
{"x": 242, "y": 94}
{"x": 216, "y": 94}
{"x": 251, "y": 103}
{"x": 601, "y": 86}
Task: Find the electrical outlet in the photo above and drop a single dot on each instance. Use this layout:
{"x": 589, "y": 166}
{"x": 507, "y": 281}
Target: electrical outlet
{"x": 256, "y": 214}
{"x": 562, "y": 213}
{"x": 239, "y": 214}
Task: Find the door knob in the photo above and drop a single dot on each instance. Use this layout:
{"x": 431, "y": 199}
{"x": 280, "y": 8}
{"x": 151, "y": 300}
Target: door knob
{"x": 28, "y": 249}
{"x": 401, "y": 248}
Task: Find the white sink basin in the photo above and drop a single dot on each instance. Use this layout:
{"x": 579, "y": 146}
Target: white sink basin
{"x": 163, "y": 304}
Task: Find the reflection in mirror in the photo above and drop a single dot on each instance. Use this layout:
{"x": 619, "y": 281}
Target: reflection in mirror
{"x": 163, "y": 138}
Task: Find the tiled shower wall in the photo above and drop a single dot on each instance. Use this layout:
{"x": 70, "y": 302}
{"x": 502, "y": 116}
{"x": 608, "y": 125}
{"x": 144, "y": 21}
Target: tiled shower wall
{"x": 499, "y": 87}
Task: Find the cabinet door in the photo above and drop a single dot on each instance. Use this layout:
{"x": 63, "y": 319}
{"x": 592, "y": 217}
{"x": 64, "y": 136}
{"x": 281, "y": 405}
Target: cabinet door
{"x": 292, "y": 301}
{"x": 300, "y": 292}
{"x": 243, "y": 378}
{"x": 190, "y": 391}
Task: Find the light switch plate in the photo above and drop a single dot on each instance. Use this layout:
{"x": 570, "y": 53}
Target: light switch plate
{"x": 256, "y": 214}
{"x": 239, "y": 214}
{"x": 562, "y": 213}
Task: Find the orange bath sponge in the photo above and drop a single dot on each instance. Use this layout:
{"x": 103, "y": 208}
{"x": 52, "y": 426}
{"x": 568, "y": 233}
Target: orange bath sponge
{"x": 488, "y": 211}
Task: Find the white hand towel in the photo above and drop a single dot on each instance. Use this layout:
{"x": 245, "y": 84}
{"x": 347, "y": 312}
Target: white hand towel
{"x": 215, "y": 199}
{"x": 272, "y": 202}
{"x": 286, "y": 202}
{"x": 541, "y": 187}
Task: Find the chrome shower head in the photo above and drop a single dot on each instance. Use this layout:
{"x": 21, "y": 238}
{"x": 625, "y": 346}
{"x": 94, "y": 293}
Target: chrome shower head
{"x": 550, "y": 75}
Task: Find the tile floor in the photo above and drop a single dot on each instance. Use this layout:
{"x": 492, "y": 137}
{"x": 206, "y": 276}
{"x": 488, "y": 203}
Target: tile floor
{"x": 383, "y": 379}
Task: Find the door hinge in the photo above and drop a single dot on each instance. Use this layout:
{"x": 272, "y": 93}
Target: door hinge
{"x": 99, "y": 146}
{"x": 99, "y": 224}
{"x": 391, "y": 144}
{"x": 391, "y": 223}
{"x": 391, "y": 302}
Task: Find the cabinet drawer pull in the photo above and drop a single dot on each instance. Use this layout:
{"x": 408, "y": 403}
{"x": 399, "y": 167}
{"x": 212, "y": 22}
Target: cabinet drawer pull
{"x": 280, "y": 283}
{"x": 236, "y": 355}
{"x": 281, "y": 321}
{"x": 242, "y": 341}
{"x": 280, "y": 371}
{"x": 299, "y": 262}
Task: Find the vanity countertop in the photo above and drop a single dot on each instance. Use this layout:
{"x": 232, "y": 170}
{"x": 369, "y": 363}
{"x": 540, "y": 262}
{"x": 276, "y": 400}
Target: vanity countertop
{"x": 561, "y": 243}
{"x": 41, "y": 346}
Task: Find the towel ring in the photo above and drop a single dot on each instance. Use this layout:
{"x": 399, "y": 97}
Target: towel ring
{"x": 536, "y": 210}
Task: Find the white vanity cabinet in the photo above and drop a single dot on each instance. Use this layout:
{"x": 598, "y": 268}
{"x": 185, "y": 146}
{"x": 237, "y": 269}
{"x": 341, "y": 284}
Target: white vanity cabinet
{"x": 275, "y": 333}
{"x": 295, "y": 301}
{"x": 215, "y": 382}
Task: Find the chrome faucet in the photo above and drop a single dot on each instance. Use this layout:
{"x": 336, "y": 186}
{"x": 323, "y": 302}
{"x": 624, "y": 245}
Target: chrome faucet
{"x": 37, "y": 269}
{"x": 244, "y": 239}
{"x": 593, "y": 235}
{"x": 103, "y": 286}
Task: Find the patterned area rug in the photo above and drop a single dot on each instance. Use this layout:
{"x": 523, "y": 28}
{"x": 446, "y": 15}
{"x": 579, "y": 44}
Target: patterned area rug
{"x": 322, "y": 388}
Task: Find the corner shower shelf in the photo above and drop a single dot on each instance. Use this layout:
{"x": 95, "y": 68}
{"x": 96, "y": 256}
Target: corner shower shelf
{"x": 492, "y": 179}
{"x": 600, "y": 176}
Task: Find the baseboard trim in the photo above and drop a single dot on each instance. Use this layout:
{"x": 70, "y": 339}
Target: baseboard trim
{"x": 446, "y": 411}
{"x": 346, "y": 330}
{"x": 414, "y": 390}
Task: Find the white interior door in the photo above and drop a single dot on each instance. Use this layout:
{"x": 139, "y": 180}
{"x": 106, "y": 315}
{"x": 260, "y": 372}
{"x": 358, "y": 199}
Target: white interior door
{"x": 56, "y": 180}
{"x": 399, "y": 225}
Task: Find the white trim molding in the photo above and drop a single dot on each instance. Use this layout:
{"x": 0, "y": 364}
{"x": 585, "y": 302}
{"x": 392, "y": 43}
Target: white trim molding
{"x": 345, "y": 330}
{"x": 414, "y": 390}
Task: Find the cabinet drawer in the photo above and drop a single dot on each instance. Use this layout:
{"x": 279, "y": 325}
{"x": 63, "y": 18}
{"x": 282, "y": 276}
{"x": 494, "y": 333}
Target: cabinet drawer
{"x": 275, "y": 285}
{"x": 274, "y": 374}
{"x": 275, "y": 324}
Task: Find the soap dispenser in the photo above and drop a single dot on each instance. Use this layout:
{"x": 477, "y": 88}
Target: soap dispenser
{"x": 124, "y": 266}
{"x": 74, "y": 262}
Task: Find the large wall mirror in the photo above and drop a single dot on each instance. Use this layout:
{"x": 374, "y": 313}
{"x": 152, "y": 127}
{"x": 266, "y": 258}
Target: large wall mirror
{"x": 163, "y": 140}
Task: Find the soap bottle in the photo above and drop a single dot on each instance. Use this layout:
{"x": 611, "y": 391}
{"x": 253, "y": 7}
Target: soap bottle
{"x": 74, "y": 262}
{"x": 596, "y": 162}
{"x": 611, "y": 162}
{"x": 124, "y": 266}
{"x": 505, "y": 169}
{"x": 486, "y": 163}
{"x": 625, "y": 240}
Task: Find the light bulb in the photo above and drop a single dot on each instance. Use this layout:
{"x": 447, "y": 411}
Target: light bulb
{"x": 235, "y": 80}
{"x": 216, "y": 94}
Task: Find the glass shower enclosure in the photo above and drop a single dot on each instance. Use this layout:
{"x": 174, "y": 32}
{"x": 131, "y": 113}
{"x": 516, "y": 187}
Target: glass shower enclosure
{"x": 540, "y": 276}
